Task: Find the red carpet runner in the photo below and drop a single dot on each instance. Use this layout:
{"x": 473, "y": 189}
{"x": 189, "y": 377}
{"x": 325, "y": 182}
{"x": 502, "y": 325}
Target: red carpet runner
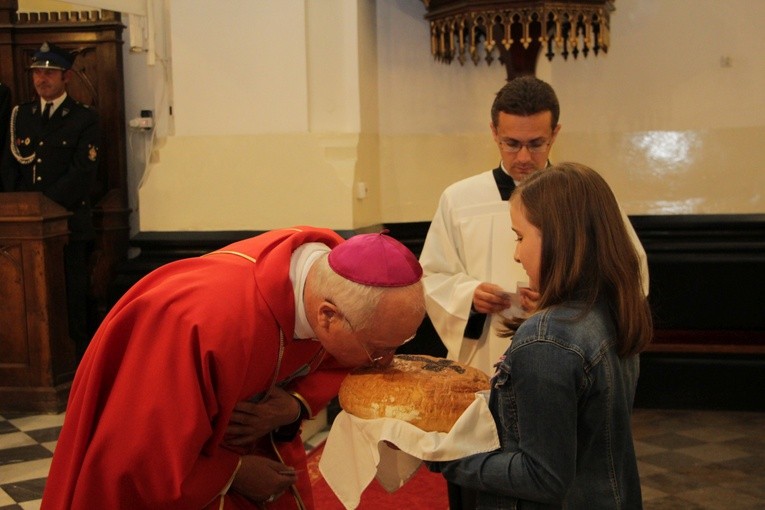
{"x": 425, "y": 490}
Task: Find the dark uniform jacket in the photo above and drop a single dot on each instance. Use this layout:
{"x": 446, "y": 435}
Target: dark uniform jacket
{"x": 58, "y": 158}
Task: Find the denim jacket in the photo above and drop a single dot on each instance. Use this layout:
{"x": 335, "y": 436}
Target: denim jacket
{"x": 561, "y": 399}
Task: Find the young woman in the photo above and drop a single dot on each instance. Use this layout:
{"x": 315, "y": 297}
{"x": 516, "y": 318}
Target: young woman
{"x": 562, "y": 393}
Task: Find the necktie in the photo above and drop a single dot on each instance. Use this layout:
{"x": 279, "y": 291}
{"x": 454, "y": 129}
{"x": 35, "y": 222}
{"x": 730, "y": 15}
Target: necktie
{"x": 46, "y": 112}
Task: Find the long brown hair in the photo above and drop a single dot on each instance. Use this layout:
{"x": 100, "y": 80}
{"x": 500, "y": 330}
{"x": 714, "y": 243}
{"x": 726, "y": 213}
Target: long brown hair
{"x": 587, "y": 254}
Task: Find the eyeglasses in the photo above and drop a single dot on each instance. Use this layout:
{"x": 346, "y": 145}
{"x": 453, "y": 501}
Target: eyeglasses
{"x": 514, "y": 147}
{"x": 380, "y": 354}
{"x": 375, "y": 360}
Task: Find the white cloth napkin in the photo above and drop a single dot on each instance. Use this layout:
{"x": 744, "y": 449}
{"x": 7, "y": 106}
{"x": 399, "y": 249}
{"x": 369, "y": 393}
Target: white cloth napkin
{"x": 355, "y": 451}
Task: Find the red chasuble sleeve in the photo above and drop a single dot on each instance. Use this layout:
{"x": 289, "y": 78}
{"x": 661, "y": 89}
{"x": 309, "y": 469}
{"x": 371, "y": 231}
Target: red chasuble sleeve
{"x": 318, "y": 388}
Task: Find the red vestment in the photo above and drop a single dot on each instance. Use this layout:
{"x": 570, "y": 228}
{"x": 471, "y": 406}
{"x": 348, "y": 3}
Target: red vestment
{"x": 151, "y": 400}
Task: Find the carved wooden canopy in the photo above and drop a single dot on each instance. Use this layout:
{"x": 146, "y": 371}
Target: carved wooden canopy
{"x": 515, "y": 31}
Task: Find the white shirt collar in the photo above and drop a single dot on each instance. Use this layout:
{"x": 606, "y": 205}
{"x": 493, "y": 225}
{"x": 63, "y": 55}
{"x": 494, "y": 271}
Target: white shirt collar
{"x": 56, "y": 103}
{"x": 301, "y": 261}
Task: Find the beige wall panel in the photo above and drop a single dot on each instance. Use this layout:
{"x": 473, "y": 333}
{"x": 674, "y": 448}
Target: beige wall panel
{"x": 249, "y": 183}
{"x": 676, "y": 172}
{"x": 415, "y": 169}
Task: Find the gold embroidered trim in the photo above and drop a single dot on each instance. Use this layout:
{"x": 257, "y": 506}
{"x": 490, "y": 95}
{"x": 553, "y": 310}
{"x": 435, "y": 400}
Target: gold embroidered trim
{"x": 305, "y": 403}
{"x": 293, "y": 489}
{"x": 228, "y": 485}
{"x": 229, "y": 252}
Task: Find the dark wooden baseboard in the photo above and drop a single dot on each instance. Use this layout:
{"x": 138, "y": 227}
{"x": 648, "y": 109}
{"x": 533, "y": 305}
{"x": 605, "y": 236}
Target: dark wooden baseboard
{"x": 682, "y": 380}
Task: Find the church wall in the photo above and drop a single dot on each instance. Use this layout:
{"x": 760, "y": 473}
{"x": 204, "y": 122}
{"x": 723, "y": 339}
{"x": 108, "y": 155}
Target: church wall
{"x": 298, "y": 179}
{"x": 267, "y": 122}
{"x": 304, "y": 101}
{"x": 671, "y": 115}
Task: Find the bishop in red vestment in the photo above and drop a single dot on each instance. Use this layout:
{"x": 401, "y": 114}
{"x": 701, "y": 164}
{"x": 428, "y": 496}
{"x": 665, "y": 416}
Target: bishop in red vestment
{"x": 150, "y": 404}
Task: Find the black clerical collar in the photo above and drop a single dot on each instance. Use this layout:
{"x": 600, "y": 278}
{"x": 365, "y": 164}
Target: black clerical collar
{"x": 505, "y": 183}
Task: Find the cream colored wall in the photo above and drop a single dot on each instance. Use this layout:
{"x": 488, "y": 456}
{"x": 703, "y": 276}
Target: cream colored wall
{"x": 434, "y": 119}
{"x": 696, "y": 171}
{"x": 673, "y": 128}
{"x": 249, "y": 182}
{"x": 239, "y": 71}
{"x": 267, "y": 120}
{"x": 280, "y": 121}
{"x": 675, "y": 118}
{"x": 366, "y": 211}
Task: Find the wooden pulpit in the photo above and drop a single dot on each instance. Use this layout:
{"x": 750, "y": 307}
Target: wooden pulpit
{"x": 37, "y": 358}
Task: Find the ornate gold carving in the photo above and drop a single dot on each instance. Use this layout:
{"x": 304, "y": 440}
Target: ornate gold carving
{"x": 516, "y": 30}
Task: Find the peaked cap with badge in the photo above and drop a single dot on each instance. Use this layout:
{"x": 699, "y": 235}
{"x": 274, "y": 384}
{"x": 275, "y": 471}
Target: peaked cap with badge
{"x": 50, "y": 56}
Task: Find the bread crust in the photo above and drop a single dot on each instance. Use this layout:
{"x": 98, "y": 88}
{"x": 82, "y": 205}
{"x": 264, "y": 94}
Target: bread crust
{"x": 430, "y": 393}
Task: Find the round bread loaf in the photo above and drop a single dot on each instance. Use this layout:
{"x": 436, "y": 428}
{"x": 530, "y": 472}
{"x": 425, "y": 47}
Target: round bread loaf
{"x": 430, "y": 393}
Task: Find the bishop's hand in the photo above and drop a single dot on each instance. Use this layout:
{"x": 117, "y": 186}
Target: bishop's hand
{"x": 251, "y": 421}
{"x": 262, "y": 479}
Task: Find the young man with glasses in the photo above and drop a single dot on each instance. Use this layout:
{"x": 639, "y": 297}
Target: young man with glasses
{"x": 467, "y": 257}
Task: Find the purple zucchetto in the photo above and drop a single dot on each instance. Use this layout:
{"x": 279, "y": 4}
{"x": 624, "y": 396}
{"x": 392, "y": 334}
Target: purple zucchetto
{"x": 377, "y": 260}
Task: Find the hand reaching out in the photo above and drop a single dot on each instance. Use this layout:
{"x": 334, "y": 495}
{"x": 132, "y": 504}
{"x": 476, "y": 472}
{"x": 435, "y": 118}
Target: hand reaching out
{"x": 490, "y": 298}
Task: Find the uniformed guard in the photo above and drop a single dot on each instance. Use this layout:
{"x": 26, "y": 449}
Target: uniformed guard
{"x": 53, "y": 149}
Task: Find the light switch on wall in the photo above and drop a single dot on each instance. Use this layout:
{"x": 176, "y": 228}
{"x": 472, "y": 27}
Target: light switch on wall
{"x": 361, "y": 190}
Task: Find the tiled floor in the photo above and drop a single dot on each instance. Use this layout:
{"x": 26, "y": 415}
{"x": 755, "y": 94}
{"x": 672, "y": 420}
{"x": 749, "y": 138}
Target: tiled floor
{"x": 693, "y": 460}
{"x": 689, "y": 460}
{"x": 26, "y": 447}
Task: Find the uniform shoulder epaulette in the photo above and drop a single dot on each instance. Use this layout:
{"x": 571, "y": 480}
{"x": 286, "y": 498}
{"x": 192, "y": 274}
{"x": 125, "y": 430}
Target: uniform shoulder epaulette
{"x": 89, "y": 107}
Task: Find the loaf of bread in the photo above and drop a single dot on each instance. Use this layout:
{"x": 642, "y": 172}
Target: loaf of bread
{"x": 430, "y": 393}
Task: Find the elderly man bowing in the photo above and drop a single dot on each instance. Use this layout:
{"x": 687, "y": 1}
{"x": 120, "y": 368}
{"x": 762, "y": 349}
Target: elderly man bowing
{"x": 192, "y": 391}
